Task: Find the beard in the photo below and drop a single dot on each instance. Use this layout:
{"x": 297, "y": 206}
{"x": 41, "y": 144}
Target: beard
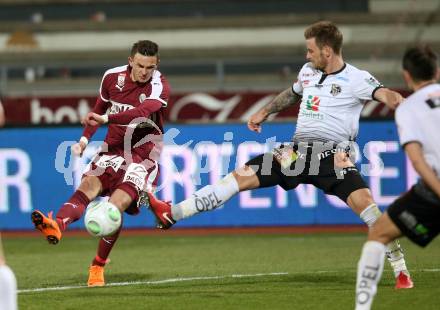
{"x": 320, "y": 63}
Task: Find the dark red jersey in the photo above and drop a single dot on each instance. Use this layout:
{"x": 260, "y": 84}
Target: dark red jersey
{"x": 135, "y": 111}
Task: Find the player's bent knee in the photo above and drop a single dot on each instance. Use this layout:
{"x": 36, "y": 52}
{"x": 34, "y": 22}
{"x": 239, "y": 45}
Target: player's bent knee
{"x": 383, "y": 230}
{"x": 246, "y": 178}
{"x": 90, "y": 186}
{"x": 360, "y": 199}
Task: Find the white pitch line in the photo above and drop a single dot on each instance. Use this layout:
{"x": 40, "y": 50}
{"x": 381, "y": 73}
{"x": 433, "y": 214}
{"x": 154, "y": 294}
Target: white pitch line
{"x": 172, "y": 280}
{"x": 431, "y": 270}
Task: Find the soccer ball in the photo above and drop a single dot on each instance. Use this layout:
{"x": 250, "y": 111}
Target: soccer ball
{"x": 102, "y": 218}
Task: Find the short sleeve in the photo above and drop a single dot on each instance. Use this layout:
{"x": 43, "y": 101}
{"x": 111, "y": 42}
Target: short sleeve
{"x": 407, "y": 127}
{"x": 297, "y": 87}
{"x": 103, "y": 89}
{"x": 365, "y": 85}
{"x": 160, "y": 89}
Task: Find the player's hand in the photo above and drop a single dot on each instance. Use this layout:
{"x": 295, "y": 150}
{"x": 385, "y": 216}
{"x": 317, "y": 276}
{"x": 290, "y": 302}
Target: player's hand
{"x": 342, "y": 160}
{"x": 394, "y": 99}
{"x": 93, "y": 119}
{"x": 78, "y": 148}
{"x": 255, "y": 121}
{"x": 391, "y": 98}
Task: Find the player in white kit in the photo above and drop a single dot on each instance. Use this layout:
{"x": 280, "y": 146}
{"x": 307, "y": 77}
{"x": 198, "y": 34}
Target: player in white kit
{"x": 8, "y": 284}
{"x": 333, "y": 94}
{"x": 415, "y": 214}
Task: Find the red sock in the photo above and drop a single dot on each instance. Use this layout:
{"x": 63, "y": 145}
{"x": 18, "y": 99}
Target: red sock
{"x": 72, "y": 210}
{"x": 105, "y": 246}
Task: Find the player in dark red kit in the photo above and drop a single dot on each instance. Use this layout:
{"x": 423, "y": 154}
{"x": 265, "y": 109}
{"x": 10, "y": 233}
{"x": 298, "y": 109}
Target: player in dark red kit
{"x": 131, "y": 101}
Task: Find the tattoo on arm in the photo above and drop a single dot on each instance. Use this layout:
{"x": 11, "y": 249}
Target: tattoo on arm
{"x": 283, "y": 100}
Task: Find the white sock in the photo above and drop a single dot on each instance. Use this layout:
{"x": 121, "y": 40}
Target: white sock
{"x": 207, "y": 198}
{"x": 370, "y": 268}
{"x": 394, "y": 251}
{"x": 8, "y": 289}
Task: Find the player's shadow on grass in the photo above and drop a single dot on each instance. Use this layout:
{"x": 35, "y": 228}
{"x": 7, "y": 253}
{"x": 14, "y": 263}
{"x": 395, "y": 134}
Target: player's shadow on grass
{"x": 128, "y": 277}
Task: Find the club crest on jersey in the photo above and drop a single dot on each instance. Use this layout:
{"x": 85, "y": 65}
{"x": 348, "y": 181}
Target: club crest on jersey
{"x": 121, "y": 81}
{"x": 336, "y": 89}
{"x": 142, "y": 97}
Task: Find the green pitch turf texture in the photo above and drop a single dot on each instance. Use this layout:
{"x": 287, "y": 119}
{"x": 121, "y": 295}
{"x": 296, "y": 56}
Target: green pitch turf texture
{"x": 316, "y": 271}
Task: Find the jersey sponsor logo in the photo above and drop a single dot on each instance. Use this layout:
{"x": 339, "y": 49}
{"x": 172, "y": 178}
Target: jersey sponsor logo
{"x": 335, "y": 90}
{"x": 119, "y": 107}
{"x": 313, "y": 103}
{"x": 312, "y": 108}
{"x": 208, "y": 202}
{"x": 106, "y": 161}
{"x": 308, "y": 74}
{"x": 367, "y": 276}
{"x": 121, "y": 81}
{"x": 312, "y": 115}
{"x": 136, "y": 174}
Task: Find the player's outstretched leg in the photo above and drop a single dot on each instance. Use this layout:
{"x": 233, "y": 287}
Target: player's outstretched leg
{"x": 69, "y": 212}
{"x": 47, "y": 225}
{"x": 207, "y": 198}
{"x": 162, "y": 212}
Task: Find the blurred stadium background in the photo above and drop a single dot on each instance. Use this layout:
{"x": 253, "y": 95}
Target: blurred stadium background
{"x": 224, "y": 59}
{"x": 62, "y": 47}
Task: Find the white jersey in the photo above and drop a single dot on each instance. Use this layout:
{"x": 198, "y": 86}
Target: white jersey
{"x": 331, "y": 103}
{"x": 418, "y": 120}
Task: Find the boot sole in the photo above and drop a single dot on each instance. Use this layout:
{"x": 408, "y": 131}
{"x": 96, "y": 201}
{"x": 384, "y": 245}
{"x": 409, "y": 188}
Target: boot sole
{"x": 37, "y": 219}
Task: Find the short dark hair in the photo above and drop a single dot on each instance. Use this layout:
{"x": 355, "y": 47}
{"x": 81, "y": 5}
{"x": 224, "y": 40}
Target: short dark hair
{"x": 325, "y": 33}
{"x": 421, "y": 62}
{"x": 146, "y": 48}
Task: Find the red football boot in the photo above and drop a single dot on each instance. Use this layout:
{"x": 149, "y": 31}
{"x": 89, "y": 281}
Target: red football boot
{"x": 162, "y": 212}
{"x": 403, "y": 280}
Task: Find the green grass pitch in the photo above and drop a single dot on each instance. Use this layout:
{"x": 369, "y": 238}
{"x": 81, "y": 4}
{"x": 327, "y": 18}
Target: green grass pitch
{"x": 278, "y": 271}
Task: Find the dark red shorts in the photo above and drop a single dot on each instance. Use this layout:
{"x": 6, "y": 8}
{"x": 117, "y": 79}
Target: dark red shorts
{"x": 130, "y": 173}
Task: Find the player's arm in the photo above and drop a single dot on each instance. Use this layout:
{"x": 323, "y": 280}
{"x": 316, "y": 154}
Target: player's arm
{"x": 415, "y": 154}
{"x": 284, "y": 100}
{"x": 147, "y": 108}
{"x": 390, "y": 97}
{"x": 100, "y": 107}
